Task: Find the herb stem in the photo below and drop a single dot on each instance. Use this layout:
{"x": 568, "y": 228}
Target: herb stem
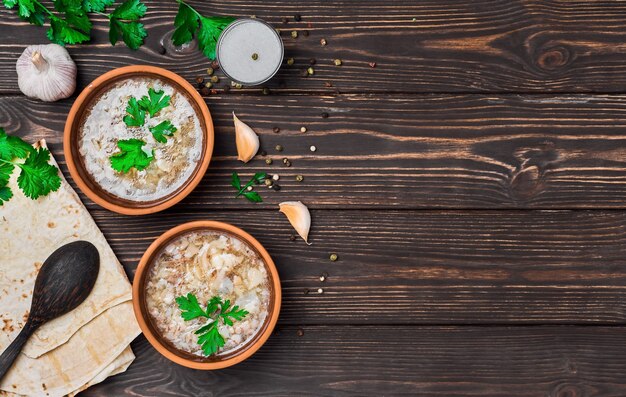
{"x": 44, "y": 8}
{"x": 243, "y": 189}
{"x": 191, "y": 8}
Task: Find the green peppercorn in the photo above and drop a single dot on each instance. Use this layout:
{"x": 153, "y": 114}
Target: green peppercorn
{"x": 294, "y": 34}
{"x": 323, "y": 42}
{"x": 209, "y": 71}
{"x": 310, "y": 71}
{"x": 290, "y": 61}
{"x": 238, "y": 86}
{"x": 333, "y": 257}
{"x": 215, "y": 79}
{"x": 279, "y": 148}
{"x": 338, "y": 62}
{"x": 266, "y": 91}
{"x": 208, "y": 85}
{"x": 268, "y": 161}
{"x": 255, "y": 56}
{"x": 299, "y": 178}
{"x": 268, "y": 182}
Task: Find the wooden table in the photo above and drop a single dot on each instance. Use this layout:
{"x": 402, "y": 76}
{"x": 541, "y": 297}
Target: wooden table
{"x": 472, "y": 183}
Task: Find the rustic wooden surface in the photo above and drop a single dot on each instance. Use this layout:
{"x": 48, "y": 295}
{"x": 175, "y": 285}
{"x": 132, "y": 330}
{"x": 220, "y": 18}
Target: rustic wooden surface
{"x": 472, "y": 184}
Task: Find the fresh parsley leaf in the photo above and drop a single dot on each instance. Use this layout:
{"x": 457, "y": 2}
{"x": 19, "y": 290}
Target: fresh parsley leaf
{"x": 163, "y": 130}
{"x": 189, "y": 22}
{"x": 131, "y": 10}
{"x": 189, "y": 307}
{"x": 131, "y": 155}
{"x": 235, "y": 181}
{"x": 253, "y": 196}
{"x": 12, "y": 146}
{"x": 96, "y": 5}
{"x": 136, "y": 116}
{"x": 74, "y": 28}
{"x": 5, "y": 194}
{"x": 125, "y": 21}
{"x": 154, "y": 102}
{"x": 209, "y": 337}
{"x": 186, "y": 24}
{"x": 211, "y": 340}
{"x": 38, "y": 177}
{"x": 210, "y": 30}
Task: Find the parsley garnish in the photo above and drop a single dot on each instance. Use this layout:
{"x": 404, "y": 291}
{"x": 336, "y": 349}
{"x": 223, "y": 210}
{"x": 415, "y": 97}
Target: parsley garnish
{"x": 70, "y": 23}
{"x": 132, "y": 155}
{"x": 154, "y": 102}
{"x": 243, "y": 190}
{"x": 209, "y": 337}
{"x": 37, "y": 177}
{"x": 161, "y": 130}
{"x": 136, "y": 116}
{"x": 189, "y": 22}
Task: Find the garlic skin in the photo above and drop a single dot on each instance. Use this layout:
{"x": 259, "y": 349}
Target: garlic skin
{"x": 299, "y": 216}
{"x": 246, "y": 139}
{"x": 46, "y": 72}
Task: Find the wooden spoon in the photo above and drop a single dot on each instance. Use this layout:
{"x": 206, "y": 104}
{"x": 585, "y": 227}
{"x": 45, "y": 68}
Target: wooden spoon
{"x": 65, "y": 280}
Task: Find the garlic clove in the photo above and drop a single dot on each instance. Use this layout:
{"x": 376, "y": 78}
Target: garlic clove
{"x": 299, "y": 216}
{"x": 46, "y": 72}
{"x": 246, "y": 139}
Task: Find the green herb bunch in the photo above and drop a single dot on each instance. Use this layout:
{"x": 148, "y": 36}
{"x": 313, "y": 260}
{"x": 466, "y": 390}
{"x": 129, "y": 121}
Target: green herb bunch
{"x": 209, "y": 337}
{"x": 243, "y": 190}
{"x": 37, "y": 177}
{"x": 133, "y": 153}
{"x": 70, "y": 24}
{"x": 207, "y": 30}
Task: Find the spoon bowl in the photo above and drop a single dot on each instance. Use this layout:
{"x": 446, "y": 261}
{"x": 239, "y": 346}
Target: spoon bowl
{"x": 64, "y": 281}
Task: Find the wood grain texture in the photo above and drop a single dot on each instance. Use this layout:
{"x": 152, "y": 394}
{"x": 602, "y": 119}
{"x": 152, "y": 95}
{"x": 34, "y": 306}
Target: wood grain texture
{"x": 399, "y": 151}
{"x": 418, "y": 46}
{"x": 426, "y": 267}
{"x": 399, "y": 361}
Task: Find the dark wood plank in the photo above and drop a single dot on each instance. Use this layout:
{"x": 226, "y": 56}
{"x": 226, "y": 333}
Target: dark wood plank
{"x": 431, "y": 151}
{"x": 427, "y": 267}
{"x": 418, "y": 46}
{"x": 399, "y": 361}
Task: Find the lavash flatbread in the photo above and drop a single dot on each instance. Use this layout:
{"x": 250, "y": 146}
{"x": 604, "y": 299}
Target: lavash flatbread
{"x": 31, "y": 230}
{"x": 76, "y": 362}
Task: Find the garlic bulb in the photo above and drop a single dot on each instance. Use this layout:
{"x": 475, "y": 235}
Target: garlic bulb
{"x": 247, "y": 140}
{"x": 46, "y": 72}
{"x": 299, "y": 217}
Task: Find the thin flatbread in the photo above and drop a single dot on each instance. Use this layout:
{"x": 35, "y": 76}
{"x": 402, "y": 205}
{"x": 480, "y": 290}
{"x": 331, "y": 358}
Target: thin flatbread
{"x": 79, "y": 360}
{"x": 31, "y": 230}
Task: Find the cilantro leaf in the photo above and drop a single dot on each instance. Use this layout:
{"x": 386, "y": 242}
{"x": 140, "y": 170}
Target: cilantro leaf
{"x": 163, "y": 130}
{"x": 154, "y": 102}
{"x": 189, "y": 307}
{"x": 235, "y": 181}
{"x": 124, "y": 20}
{"x": 186, "y": 24}
{"x": 131, "y": 155}
{"x": 38, "y": 177}
{"x": 136, "y": 116}
{"x": 96, "y": 5}
{"x": 5, "y": 194}
{"x": 210, "y": 30}
{"x": 211, "y": 340}
{"x": 12, "y": 146}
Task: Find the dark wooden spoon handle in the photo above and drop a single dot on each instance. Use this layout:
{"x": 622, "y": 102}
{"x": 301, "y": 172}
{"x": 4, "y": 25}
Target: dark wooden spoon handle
{"x": 11, "y": 352}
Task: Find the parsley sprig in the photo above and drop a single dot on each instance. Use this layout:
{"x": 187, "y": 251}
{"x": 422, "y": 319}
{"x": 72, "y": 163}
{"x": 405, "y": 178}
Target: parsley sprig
{"x": 70, "y": 23}
{"x": 37, "y": 177}
{"x": 243, "y": 190}
{"x": 209, "y": 337}
{"x": 132, "y": 154}
{"x": 189, "y": 22}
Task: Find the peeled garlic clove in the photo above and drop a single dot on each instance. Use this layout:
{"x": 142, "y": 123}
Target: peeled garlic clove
{"x": 299, "y": 217}
{"x": 247, "y": 140}
{"x": 46, "y": 72}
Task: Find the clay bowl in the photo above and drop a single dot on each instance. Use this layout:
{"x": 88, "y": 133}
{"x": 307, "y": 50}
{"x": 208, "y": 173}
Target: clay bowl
{"x": 75, "y": 161}
{"x": 161, "y": 344}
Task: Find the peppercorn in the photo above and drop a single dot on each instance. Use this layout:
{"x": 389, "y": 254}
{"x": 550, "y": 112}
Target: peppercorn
{"x": 213, "y": 91}
{"x": 263, "y": 153}
{"x": 303, "y": 129}
{"x": 276, "y": 187}
{"x": 328, "y": 84}
{"x": 249, "y": 188}
{"x": 320, "y": 291}
{"x": 266, "y": 91}
{"x": 200, "y": 79}
{"x": 338, "y": 62}
{"x": 299, "y": 178}
{"x": 215, "y": 79}
{"x": 238, "y": 86}
{"x": 323, "y": 42}
{"x": 268, "y": 182}
{"x": 279, "y": 148}
{"x": 333, "y": 257}
{"x": 312, "y": 61}
{"x": 268, "y": 161}
{"x": 372, "y": 64}
{"x": 305, "y": 33}
{"x": 285, "y": 160}
{"x": 276, "y": 130}
{"x": 208, "y": 84}
{"x": 255, "y": 56}
{"x": 313, "y": 148}
{"x": 215, "y": 65}
{"x": 310, "y": 71}
{"x": 322, "y": 278}
{"x": 304, "y": 73}
{"x": 226, "y": 89}
{"x": 290, "y": 61}
{"x": 204, "y": 91}
{"x": 209, "y": 71}
{"x": 297, "y": 18}
{"x": 275, "y": 177}
{"x": 285, "y": 20}
{"x": 300, "y": 332}
{"x": 288, "y": 163}
{"x": 294, "y": 34}
{"x": 324, "y": 115}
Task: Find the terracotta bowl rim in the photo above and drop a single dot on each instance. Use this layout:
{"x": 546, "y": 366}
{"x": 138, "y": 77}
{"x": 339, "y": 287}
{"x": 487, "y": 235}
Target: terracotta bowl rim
{"x": 142, "y": 317}
{"x": 77, "y": 110}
